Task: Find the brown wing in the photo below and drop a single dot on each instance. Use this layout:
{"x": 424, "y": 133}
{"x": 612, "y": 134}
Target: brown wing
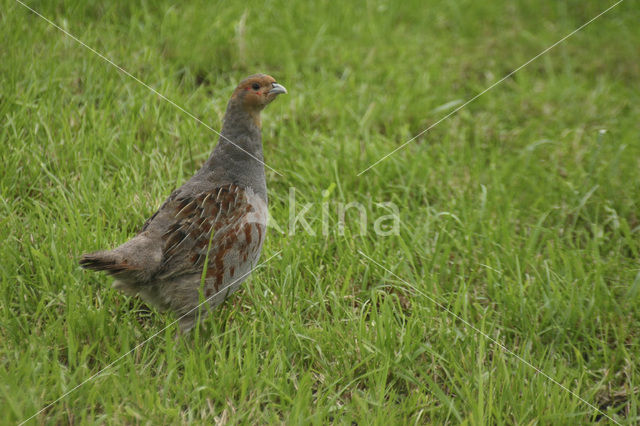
{"x": 209, "y": 219}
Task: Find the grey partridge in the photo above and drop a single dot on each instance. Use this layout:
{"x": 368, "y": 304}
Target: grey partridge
{"x": 207, "y": 236}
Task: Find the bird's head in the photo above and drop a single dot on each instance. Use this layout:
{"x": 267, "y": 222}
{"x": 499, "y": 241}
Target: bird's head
{"x": 257, "y": 91}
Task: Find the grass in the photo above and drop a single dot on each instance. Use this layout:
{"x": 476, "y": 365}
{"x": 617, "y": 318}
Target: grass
{"x": 519, "y": 213}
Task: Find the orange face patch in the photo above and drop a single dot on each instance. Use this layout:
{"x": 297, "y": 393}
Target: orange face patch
{"x": 254, "y": 91}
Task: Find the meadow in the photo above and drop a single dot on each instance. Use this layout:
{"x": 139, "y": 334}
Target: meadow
{"x": 508, "y": 295}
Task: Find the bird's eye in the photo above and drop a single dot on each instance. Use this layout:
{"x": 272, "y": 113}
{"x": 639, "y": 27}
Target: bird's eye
{"x": 255, "y": 86}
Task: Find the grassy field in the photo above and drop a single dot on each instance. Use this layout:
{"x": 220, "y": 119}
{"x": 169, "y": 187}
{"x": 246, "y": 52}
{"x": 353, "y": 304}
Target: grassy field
{"x": 519, "y": 215}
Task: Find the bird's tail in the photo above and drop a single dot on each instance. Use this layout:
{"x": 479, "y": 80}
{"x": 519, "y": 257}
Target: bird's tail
{"x": 107, "y": 261}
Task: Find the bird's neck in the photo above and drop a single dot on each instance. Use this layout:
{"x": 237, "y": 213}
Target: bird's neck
{"x": 238, "y": 158}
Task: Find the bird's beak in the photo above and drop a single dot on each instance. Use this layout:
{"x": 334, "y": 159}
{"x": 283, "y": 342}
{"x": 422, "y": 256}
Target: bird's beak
{"x": 276, "y": 89}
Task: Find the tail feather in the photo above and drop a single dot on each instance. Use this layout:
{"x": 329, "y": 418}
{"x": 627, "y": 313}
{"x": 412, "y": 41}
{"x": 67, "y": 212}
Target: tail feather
{"x": 105, "y": 261}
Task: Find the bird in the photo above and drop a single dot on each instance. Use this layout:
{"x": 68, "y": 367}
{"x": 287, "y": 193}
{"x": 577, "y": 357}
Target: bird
{"x": 206, "y": 237}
